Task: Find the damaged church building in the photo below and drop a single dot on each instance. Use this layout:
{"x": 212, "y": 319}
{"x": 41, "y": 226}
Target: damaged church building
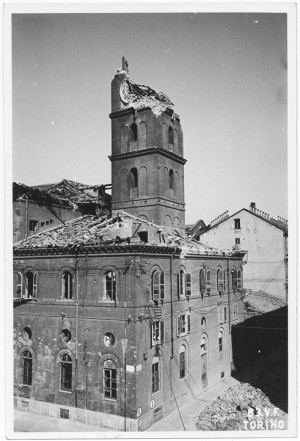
{"x": 121, "y": 319}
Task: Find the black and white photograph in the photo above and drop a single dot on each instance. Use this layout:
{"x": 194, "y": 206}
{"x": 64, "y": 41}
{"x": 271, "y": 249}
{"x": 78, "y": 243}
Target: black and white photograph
{"x": 150, "y": 186}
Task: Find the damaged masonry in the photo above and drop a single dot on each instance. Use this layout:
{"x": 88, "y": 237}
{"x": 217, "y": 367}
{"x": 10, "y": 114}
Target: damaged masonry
{"x": 121, "y": 229}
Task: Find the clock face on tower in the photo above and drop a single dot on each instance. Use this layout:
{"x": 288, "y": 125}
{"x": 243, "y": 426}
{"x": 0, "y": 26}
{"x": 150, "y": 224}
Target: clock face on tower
{"x": 124, "y": 92}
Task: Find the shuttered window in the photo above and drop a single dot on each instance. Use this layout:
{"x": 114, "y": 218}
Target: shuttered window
{"x": 208, "y": 283}
{"x": 158, "y": 285}
{"x": 188, "y": 285}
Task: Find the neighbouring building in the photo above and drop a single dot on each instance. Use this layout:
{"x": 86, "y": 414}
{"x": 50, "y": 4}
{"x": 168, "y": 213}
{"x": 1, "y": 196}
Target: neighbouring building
{"x": 38, "y": 208}
{"x": 266, "y": 242}
{"x": 121, "y": 319}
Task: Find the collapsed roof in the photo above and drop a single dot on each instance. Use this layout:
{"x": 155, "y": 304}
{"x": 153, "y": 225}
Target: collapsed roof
{"x": 65, "y": 192}
{"x": 121, "y": 230}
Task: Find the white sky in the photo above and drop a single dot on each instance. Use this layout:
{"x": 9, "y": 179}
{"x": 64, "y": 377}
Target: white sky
{"x": 226, "y": 74}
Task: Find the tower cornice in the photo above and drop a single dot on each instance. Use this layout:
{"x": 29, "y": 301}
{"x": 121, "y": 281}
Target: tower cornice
{"x": 148, "y": 151}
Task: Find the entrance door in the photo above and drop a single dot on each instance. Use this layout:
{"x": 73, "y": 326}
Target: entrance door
{"x": 204, "y": 379}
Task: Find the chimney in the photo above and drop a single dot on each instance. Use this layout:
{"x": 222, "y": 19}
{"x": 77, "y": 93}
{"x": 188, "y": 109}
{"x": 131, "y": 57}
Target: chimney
{"x": 253, "y": 206}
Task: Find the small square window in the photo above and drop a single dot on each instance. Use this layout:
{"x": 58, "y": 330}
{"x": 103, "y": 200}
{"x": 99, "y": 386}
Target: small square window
{"x": 237, "y": 241}
{"x": 42, "y": 224}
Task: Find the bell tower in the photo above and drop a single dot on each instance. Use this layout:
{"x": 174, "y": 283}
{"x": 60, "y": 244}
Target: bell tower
{"x": 147, "y": 153}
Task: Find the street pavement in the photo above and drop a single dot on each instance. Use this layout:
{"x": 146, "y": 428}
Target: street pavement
{"x": 31, "y": 422}
{"x": 189, "y": 413}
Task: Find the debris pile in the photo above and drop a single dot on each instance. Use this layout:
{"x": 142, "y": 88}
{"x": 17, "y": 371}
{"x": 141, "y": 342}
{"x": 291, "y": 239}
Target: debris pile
{"x": 236, "y": 407}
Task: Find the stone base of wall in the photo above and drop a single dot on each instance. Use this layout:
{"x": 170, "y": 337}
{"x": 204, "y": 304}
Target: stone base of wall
{"x": 96, "y": 419}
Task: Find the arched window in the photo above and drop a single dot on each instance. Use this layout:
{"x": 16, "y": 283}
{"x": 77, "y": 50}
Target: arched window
{"x": 165, "y": 136}
{"x": 109, "y": 380}
{"x": 221, "y": 281}
{"x": 158, "y": 285}
{"x": 143, "y": 181}
{"x": 234, "y": 279}
{"x": 203, "y": 355}
{"x": 239, "y": 280}
{"x": 182, "y": 362}
{"x": 155, "y": 375}
{"x": 176, "y": 141}
{"x": 110, "y": 286}
{"x": 133, "y": 137}
{"x": 65, "y": 372}
{"x": 124, "y": 139}
{"x": 208, "y": 283}
{"x": 203, "y": 323}
{"x": 202, "y": 281}
{"x": 142, "y": 135}
{"x": 124, "y": 185}
{"x": 133, "y": 183}
{"x": 171, "y": 139}
{"x": 171, "y": 183}
{"x": 220, "y": 344}
{"x": 67, "y": 282}
{"x": 19, "y": 287}
{"x": 30, "y": 285}
{"x": 27, "y": 368}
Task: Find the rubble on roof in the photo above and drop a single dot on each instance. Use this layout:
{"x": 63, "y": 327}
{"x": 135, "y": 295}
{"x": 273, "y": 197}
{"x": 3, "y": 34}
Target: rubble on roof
{"x": 119, "y": 229}
{"x": 140, "y": 96}
{"x": 66, "y": 193}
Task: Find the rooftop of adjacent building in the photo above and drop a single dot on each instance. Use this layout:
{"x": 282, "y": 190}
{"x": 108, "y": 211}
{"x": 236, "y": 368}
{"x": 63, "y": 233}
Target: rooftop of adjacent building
{"x": 121, "y": 232}
{"x": 199, "y": 227}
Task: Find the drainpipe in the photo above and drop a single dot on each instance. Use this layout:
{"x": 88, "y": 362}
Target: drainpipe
{"x": 171, "y": 292}
{"x": 76, "y": 331}
{"x": 26, "y": 216}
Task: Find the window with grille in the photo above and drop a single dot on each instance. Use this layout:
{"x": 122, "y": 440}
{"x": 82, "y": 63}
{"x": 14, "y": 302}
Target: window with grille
{"x": 221, "y": 280}
{"x": 183, "y": 324}
{"x": 155, "y": 377}
{"x": 67, "y": 281}
{"x": 157, "y": 332}
{"x": 110, "y": 380}
{"x": 27, "y": 368}
{"x": 188, "y": 285}
{"x": 110, "y": 286}
{"x": 182, "y": 362}
{"x": 66, "y": 372}
{"x": 158, "y": 285}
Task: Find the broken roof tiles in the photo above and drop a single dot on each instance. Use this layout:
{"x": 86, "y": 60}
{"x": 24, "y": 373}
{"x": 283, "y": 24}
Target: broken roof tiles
{"x": 92, "y": 231}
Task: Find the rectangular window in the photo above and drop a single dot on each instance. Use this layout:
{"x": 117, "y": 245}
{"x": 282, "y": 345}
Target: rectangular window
{"x": 235, "y": 310}
{"x": 208, "y": 285}
{"x": 33, "y": 225}
{"x": 155, "y": 377}
{"x": 239, "y": 280}
{"x": 234, "y": 280}
{"x": 183, "y": 324}
{"x": 110, "y": 383}
{"x": 237, "y": 224}
{"x": 181, "y": 283}
{"x": 237, "y": 241}
{"x": 182, "y": 364}
{"x": 19, "y": 285}
{"x": 157, "y": 333}
{"x": 222, "y": 314}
